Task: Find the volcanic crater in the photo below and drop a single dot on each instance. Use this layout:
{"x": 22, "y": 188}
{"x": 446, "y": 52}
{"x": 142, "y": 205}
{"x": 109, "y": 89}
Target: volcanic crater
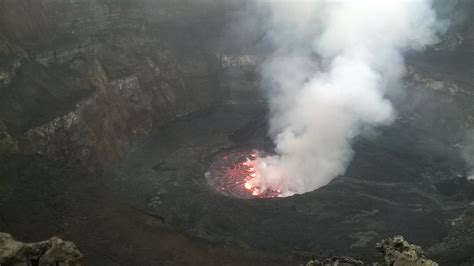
{"x": 130, "y": 128}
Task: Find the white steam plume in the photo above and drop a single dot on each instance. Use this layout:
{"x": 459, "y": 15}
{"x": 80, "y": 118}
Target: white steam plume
{"x": 328, "y": 79}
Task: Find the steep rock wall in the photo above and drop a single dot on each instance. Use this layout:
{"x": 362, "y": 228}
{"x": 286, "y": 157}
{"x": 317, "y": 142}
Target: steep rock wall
{"x": 85, "y": 78}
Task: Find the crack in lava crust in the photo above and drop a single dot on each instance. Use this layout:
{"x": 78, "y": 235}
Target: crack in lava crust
{"x": 231, "y": 172}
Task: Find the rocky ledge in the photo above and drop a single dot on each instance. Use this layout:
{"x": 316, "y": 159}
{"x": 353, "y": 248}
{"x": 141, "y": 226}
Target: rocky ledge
{"x": 396, "y": 251}
{"x": 54, "y": 251}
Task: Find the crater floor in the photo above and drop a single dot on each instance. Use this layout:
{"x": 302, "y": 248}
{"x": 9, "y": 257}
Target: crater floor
{"x": 390, "y": 188}
{"x": 396, "y": 184}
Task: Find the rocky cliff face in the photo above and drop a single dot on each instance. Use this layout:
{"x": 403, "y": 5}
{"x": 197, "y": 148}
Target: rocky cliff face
{"x": 85, "y": 78}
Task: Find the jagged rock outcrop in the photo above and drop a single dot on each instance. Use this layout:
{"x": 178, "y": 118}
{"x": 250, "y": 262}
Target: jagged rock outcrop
{"x": 398, "y": 252}
{"x": 54, "y": 251}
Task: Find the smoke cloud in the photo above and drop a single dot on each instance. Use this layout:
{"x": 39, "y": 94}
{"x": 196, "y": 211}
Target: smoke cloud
{"x": 328, "y": 79}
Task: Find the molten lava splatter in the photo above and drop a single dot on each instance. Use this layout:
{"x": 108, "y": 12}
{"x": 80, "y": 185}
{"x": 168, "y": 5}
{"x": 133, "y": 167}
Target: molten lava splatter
{"x": 232, "y": 174}
{"x": 248, "y": 185}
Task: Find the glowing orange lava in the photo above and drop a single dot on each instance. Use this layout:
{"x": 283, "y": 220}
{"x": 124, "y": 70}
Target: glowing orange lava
{"x": 234, "y": 174}
{"x": 248, "y": 185}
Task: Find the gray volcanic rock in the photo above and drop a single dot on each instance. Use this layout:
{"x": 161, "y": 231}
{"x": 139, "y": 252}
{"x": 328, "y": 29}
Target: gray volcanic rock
{"x": 396, "y": 251}
{"x": 54, "y": 251}
{"x": 399, "y": 252}
{"x": 341, "y": 261}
